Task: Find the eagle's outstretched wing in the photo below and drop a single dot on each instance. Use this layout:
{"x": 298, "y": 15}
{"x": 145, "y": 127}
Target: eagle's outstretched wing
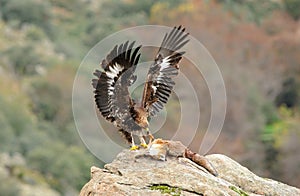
{"x": 159, "y": 82}
{"x": 112, "y": 96}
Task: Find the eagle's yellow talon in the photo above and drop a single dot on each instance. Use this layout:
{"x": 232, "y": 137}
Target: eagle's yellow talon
{"x": 134, "y": 147}
{"x": 144, "y": 145}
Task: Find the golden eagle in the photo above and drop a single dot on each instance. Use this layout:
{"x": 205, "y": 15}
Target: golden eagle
{"x": 112, "y": 96}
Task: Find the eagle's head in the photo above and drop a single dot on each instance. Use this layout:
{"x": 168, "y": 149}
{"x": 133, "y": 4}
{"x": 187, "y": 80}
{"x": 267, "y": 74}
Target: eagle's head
{"x": 141, "y": 117}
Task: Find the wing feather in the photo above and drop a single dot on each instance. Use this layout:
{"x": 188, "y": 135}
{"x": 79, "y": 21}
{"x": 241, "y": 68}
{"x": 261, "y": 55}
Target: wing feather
{"x": 112, "y": 96}
{"x": 159, "y": 84}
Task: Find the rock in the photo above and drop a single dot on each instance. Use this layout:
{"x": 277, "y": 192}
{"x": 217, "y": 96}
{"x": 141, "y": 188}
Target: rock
{"x": 240, "y": 176}
{"x": 138, "y": 173}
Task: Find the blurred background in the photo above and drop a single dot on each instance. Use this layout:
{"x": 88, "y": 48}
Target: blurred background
{"x": 256, "y": 44}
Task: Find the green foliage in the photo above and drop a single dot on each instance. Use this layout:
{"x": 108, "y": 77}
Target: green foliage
{"x": 6, "y": 134}
{"x": 270, "y": 113}
{"x": 15, "y": 114}
{"x": 239, "y": 191}
{"x": 166, "y": 189}
{"x": 68, "y": 135}
{"x": 35, "y": 33}
{"x": 293, "y": 8}
{"x": 71, "y": 49}
{"x": 27, "y": 11}
{"x": 23, "y": 64}
{"x": 272, "y": 137}
{"x": 69, "y": 167}
{"x": 37, "y": 140}
{"x": 19, "y": 133}
{"x": 113, "y": 17}
{"x": 274, "y": 130}
{"x": 45, "y": 98}
{"x": 251, "y": 10}
{"x": 95, "y": 34}
{"x": 120, "y": 9}
{"x": 69, "y": 5}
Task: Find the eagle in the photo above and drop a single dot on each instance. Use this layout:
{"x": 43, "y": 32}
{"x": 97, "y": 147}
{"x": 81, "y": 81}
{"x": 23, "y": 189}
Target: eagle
{"x": 111, "y": 93}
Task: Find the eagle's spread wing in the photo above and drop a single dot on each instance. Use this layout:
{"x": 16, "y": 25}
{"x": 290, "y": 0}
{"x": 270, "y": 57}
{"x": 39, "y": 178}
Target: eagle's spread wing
{"x": 159, "y": 82}
{"x": 112, "y": 96}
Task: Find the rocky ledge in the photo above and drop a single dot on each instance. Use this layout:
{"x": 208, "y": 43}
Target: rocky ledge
{"x": 142, "y": 173}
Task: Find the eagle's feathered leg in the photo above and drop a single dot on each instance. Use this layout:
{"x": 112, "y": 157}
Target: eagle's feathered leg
{"x": 133, "y": 146}
{"x": 129, "y": 138}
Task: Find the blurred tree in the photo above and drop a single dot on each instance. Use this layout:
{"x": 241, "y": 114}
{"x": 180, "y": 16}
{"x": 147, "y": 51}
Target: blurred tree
{"x": 179, "y": 11}
{"x": 23, "y": 59}
{"x": 62, "y": 76}
{"x": 65, "y": 164}
{"x": 293, "y": 8}
{"x": 3, "y": 3}
{"x": 275, "y": 137}
{"x": 251, "y": 10}
{"x": 35, "y": 33}
{"x": 117, "y": 14}
{"x": 69, "y": 166}
{"x": 96, "y": 30}
{"x": 270, "y": 138}
{"x": 288, "y": 95}
{"x": 119, "y": 9}
{"x": 16, "y": 113}
{"x": 70, "y": 5}
{"x": 27, "y": 11}
{"x": 6, "y": 134}
{"x": 19, "y": 133}
{"x": 270, "y": 113}
{"x": 45, "y": 98}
